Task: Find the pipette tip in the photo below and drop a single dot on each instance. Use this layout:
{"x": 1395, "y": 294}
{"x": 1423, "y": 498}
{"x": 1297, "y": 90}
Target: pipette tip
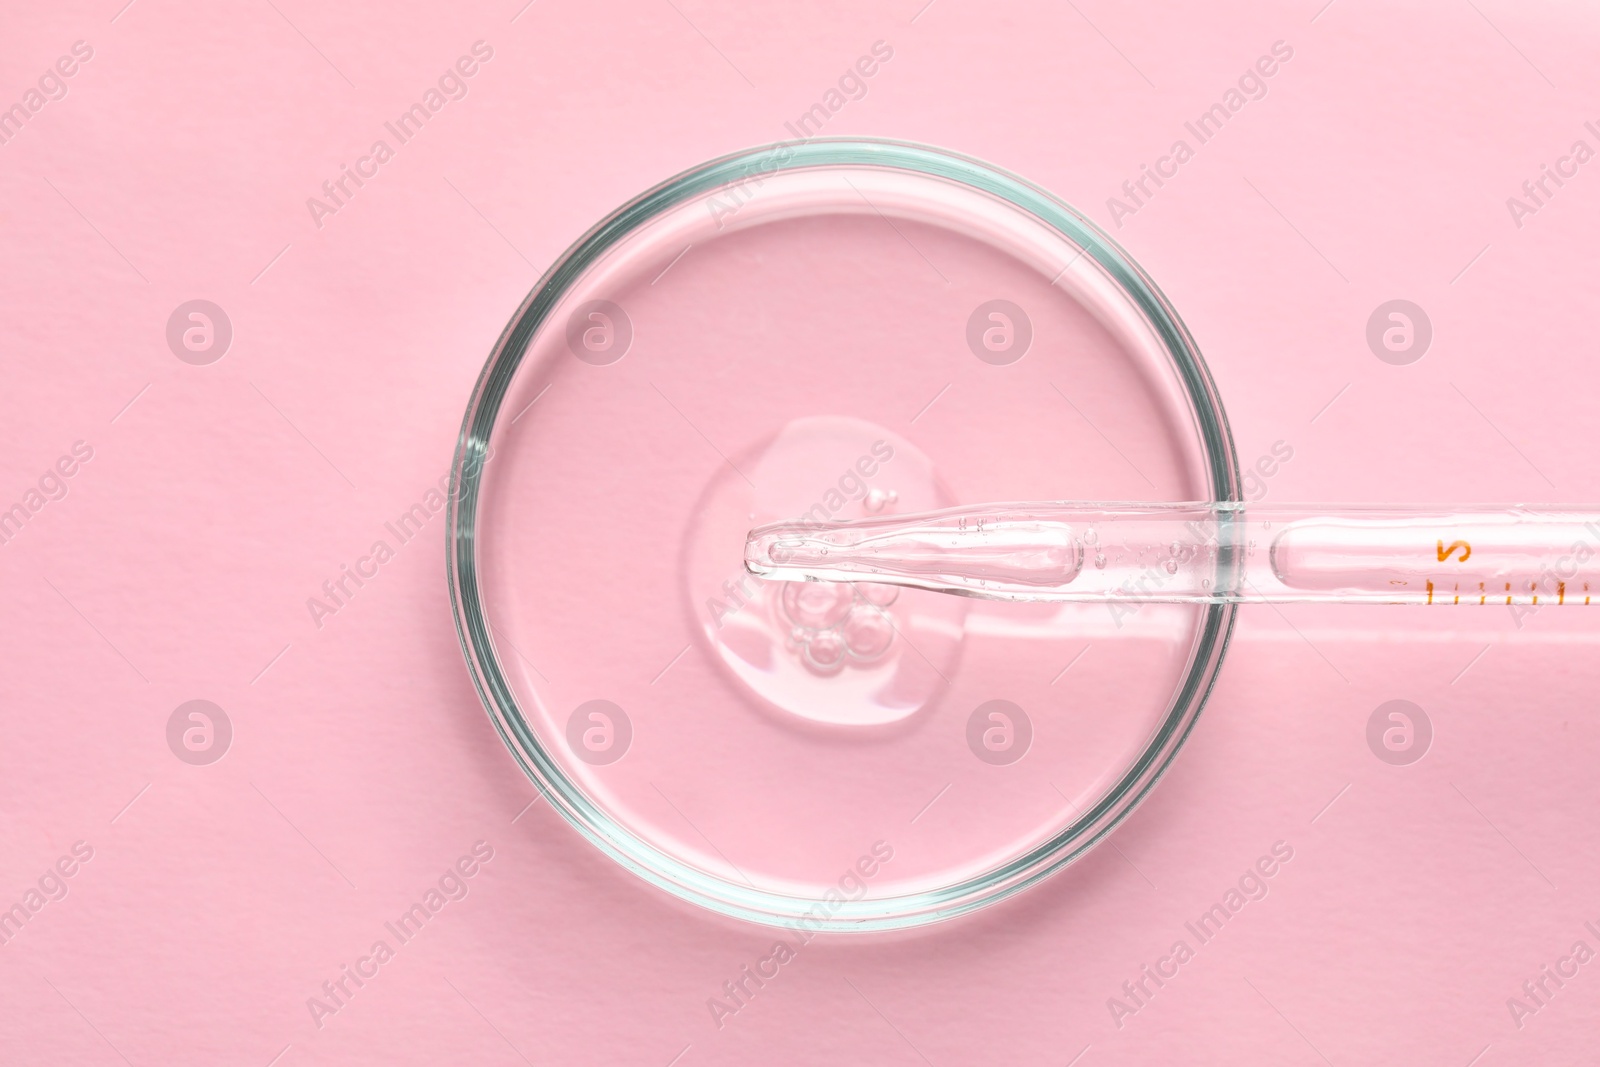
{"x": 952, "y": 551}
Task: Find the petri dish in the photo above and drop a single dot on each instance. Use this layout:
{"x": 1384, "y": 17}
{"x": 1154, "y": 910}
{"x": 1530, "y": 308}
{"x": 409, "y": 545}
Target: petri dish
{"x": 828, "y": 329}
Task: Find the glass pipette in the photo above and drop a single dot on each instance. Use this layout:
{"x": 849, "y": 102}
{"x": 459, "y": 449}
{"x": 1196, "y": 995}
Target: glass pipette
{"x": 1205, "y": 552}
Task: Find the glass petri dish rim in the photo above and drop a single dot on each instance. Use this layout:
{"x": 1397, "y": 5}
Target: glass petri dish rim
{"x": 622, "y": 844}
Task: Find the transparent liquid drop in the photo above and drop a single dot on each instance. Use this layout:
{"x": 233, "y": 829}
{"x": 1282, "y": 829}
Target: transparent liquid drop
{"x": 799, "y": 647}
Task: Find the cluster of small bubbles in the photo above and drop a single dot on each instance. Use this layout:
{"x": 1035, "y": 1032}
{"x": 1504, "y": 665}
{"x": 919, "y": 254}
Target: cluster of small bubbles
{"x": 816, "y": 605}
{"x": 1100, "y": 560}
{"x": 837, "y": 623}
{"x": 877, "y": 499}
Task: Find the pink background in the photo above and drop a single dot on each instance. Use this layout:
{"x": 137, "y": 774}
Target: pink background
{"x": 220, "y": 497}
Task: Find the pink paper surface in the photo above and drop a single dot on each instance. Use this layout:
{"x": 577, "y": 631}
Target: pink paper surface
{"x": 176, "y": 562}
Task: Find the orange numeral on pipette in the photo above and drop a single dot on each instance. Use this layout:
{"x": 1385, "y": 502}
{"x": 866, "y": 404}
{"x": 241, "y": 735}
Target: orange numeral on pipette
{"x": 1446, "y": 553}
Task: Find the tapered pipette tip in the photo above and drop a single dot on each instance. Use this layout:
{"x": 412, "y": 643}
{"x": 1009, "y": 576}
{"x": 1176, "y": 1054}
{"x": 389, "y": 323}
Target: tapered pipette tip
{"x": 954, "y": 552}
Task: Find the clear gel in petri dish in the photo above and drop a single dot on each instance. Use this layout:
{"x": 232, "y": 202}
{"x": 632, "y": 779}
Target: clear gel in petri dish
{"x": 826, "y": 331}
